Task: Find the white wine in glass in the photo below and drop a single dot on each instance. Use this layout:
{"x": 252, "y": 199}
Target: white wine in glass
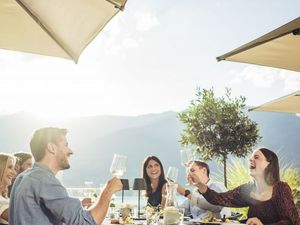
{"x": 118, "y": 165}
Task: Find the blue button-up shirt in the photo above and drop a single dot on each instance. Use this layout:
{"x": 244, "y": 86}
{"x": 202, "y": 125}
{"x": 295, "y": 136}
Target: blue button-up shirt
{"x": 38, "y": 198}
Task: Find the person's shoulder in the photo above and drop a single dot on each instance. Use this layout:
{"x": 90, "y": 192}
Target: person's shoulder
{"x": 28, "y": 178}
{"x": 36, "y": 174}
{"x": 281, "y": 185}
{"x": 282, "y": 190}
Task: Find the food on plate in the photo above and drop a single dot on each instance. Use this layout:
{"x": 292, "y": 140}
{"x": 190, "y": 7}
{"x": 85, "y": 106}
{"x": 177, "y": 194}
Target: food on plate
{"x": 211, "y": 219}
{"x": 114, "y": 221}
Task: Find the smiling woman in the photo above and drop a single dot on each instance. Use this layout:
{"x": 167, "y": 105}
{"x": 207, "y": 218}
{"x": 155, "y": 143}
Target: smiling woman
{"x": 7, "y": 173}
{"x": 153, "y": 173}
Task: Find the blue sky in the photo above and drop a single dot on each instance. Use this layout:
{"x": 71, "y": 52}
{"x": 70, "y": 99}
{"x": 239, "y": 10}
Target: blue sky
{"x": 150, "y": 58}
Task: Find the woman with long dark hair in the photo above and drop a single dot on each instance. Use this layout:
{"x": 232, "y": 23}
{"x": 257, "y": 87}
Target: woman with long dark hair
{"x": 269, "y": 200}
{"x": 153, "y": 173}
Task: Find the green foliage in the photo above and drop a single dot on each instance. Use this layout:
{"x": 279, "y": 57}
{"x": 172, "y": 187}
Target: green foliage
{"x": 291, "y": 175}
{"x": 217, "y": 127}
{"x": 238, "y": 173}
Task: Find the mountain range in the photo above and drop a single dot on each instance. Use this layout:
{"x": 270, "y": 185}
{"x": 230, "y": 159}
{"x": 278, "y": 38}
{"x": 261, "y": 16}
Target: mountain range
{"x": 95, "y": 139}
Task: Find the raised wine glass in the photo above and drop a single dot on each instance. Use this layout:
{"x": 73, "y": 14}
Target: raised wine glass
{"x": 186, "y": 156}
{"x": 172, "y": 175}
{"x": 118, "y": 165}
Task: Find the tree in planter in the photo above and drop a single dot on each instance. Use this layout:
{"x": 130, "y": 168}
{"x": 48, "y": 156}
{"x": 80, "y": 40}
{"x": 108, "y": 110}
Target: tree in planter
{"x": 218, "y": 127}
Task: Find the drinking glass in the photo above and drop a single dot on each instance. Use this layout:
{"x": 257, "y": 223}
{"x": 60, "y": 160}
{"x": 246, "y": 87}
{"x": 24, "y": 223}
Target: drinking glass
{"x": 172, "y": 175}
{"x": 186, "y": 155}
{"x": 181, "y": 215}
{"x": 118, "y": 165}
{"x": 88, "y": 189}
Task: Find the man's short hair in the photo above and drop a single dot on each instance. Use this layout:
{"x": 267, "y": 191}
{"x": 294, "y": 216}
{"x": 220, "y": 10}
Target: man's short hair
{"x": 203, "y": 165}
{"x": 42, "y": 137}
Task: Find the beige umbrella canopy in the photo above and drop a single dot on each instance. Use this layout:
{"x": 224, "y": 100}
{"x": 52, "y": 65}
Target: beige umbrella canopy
{"x": 59, "y": 28}
{"x": 279, "y": 48}
{"x": 289, "y": 104}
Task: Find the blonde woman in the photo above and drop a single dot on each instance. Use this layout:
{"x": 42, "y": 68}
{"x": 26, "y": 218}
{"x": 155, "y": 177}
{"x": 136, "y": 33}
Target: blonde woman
{"x": 7, "y": 173}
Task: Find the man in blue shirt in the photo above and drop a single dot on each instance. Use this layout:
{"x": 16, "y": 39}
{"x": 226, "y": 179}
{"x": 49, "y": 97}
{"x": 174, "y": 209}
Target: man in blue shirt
{"x": 38, "y": 198}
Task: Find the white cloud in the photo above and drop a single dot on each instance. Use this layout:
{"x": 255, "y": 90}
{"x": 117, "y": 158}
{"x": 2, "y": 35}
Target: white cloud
{"x": 125, "y": 31}
{"x": 130, "y": 43}
{"x": 292, "y": 83}
{"x": 146, "y": 21}
{"x": 52, "y": 86}
{"x": 259, "y": 77}
{"x": 267, "y": 77}
{"x": 218, "y": 4}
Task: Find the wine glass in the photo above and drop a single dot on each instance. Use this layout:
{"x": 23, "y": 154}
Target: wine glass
{"x": 88, "y": 190}
{"x": 118, "y": 165}
{"x": 172, "y": 175}
{"x": 186, "y": 156}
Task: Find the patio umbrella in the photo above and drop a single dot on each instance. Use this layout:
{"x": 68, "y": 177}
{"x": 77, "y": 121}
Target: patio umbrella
{"x": 289, "y": 103}
{"x": 59, "y": 28}
{"x": 280, "y": 48}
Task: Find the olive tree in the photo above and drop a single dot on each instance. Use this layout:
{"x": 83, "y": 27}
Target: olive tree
{"x": 218, "y": 127}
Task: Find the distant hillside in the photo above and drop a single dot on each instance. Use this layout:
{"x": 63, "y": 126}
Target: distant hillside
{"x": 95, "y": 140}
